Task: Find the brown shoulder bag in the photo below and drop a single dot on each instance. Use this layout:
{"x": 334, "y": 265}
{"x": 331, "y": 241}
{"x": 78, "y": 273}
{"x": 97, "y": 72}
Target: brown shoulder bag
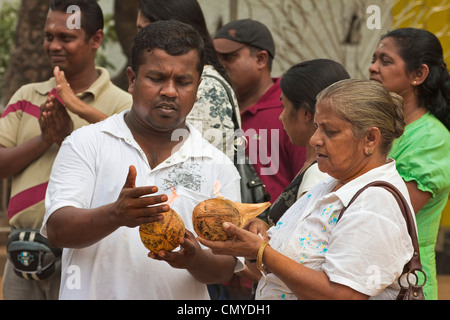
{"x": 413, "y": 290}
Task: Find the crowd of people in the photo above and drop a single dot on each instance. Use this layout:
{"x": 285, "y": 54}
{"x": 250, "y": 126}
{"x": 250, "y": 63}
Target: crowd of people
{"x": 90, "y": 163}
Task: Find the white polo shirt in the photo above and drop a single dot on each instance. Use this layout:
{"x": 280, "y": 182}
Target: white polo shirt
{"x": 366, "y": 250}
{"x": 90, "y": 171}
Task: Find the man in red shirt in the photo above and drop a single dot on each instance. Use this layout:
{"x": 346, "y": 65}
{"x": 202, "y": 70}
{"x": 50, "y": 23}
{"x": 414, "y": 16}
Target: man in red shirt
{"x": 246, "y": 49}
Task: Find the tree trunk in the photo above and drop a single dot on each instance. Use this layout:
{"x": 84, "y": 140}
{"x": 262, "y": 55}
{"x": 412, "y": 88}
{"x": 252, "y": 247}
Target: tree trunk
{"x": 125, "y": 14}
{"x": 28, "y": 62}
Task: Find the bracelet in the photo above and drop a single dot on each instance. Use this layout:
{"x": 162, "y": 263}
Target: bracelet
{"x": 259, "y": 258}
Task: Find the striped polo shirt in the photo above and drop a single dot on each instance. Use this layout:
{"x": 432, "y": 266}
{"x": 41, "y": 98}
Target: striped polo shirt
{"x": 19, "y": 123}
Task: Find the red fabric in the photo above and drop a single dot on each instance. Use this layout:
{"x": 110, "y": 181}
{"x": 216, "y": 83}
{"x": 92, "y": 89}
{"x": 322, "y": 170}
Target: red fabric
{"x": 275, "y": 158}
{"x": 24, "y": 106}
{"x": 26, "y": 199}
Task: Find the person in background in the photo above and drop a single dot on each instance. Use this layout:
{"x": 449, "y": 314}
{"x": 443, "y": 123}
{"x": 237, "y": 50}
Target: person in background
{"x": 213, "y": 112}
{"x": 312, "y": 254}
{"x": 40, "y": 116}
{"x": 246, "y": 49}
{"x": 300, "y": 86}
{"x": 410, "y": 62}
{"x": 112, "y": 177}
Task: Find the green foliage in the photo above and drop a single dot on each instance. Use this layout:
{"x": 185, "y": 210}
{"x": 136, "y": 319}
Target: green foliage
{"x": 8, "y": 17}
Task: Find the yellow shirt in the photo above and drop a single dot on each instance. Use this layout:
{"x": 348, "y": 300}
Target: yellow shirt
{"x": 19, "y": 123}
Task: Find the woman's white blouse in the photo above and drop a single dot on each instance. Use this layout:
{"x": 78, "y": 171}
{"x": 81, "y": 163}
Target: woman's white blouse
{"x": 366, "y": 250}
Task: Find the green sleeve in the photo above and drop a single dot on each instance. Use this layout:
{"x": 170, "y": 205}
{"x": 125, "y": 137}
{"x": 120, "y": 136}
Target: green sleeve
{"x": 422, "y": 154}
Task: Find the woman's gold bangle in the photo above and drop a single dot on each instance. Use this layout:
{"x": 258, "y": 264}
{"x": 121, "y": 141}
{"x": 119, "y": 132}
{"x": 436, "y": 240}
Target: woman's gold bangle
{"x": 259, "y": 258}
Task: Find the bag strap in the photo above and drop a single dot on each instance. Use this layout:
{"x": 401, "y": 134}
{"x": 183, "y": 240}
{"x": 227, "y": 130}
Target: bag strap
{"x": 414, "y": 264}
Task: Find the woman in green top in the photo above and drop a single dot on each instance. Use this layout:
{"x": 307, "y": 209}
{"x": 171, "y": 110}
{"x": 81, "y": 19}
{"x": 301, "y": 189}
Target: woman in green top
{"x": 410, "y": 63}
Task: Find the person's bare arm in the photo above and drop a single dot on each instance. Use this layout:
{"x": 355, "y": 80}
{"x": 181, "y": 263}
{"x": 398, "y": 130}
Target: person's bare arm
{"x": 307, "y": 283}
{"x": 418, "y": 197}
{"x": 304, "y": 282}
{"x": 73, "y": 103}
{"x": 14, "y": 160}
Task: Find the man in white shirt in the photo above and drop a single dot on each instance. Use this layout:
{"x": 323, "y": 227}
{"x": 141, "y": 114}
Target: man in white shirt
{"x": 111, "y": 177}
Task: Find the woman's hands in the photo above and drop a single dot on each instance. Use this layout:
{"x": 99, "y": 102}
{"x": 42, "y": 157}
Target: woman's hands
{"x": 216, "y": 265}
{"x": 244, "y": 243}
{"x": 72, "y": 102}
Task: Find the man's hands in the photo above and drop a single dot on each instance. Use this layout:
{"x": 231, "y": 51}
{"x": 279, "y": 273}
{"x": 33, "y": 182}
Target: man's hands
{"x": 202, "y": 264}
{"x": 184, "y": 258}
{"x": 54, "y": 121}
{"x": 71, "y": 227}
{"x": 136, "y": 206}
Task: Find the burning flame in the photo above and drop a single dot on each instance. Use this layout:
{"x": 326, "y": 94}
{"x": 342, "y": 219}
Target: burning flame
{"x": 217, "y": 187}
{"x": 174, "y": 196}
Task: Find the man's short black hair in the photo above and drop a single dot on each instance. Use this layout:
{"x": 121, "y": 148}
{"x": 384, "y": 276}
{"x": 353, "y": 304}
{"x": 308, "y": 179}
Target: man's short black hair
{"x": 174, "y": 37}
{"x": 91, "y": 14}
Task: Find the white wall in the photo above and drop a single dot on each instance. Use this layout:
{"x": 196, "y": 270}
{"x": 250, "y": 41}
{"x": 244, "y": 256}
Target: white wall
{"x": 309, "y": 29}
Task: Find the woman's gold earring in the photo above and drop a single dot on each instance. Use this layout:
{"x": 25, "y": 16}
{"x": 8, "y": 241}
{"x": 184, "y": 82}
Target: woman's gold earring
{"x": 369, "y": 152}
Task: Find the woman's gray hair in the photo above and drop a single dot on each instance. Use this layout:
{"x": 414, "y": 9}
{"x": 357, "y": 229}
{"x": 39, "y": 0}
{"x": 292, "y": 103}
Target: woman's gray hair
{"x": 366, "y": 104}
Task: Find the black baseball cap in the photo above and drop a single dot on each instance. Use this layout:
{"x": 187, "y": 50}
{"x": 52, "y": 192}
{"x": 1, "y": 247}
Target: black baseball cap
{"x": 239, "y": 33}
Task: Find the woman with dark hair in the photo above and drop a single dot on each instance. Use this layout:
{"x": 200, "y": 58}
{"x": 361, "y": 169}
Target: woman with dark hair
{"x": 213, "y": 112}
{"x": 410, "y": 62}
{"x": 300, "y": 86}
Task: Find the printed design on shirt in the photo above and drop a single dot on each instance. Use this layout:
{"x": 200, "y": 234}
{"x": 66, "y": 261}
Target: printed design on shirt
{"x": 326, "y": 211}
{"x": 322, "y": 247}
{"x": 187, "y": 174}
{"x": 287, "y": 197}
{"x": 280, "y": 225}
{"x": 288, "y": 296}
{"x": 216, "y": 100}
{"x": 308, "y": 241}
{"x": 331, "y": 214}
{"x": 334, "y": 217}
{"x": 302, "y": 258}
{"x": 305, "y": 241}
